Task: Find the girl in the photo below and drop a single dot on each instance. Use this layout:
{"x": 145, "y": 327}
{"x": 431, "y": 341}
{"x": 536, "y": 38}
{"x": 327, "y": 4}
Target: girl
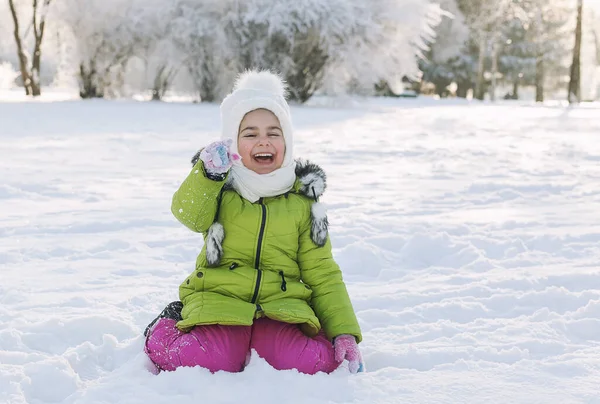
{"x": 265, "y": 278}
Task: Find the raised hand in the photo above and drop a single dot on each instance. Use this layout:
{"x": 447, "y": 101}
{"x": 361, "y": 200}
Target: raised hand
{"x": 217, "y": 157}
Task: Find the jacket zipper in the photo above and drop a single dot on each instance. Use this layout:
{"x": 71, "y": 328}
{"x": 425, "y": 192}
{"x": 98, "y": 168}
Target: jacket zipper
{"x": 256, "y": 286}
{"x": 261, "y": 234}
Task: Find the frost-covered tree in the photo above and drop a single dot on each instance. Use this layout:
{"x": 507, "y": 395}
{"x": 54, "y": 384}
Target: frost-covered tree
{"x": 516, "y": 40}
{"x": 35, "y": 20}
{"x": 151, "y": 23}
{"x": 574, "y": 94}
{"x": 317, "y": 45}
{"x": 328, "y": 45}
{"x": 103, "y": 42}
{"x": 291, "y": 37}
{"x": 485, "y": 19}
{"x": 385, "y": 43}
{"x": 451, "y": 35}
{"x": 448, "y": 61}
{"x": 547, "y": 23}
{"x": 518, "y": 59}
{"x": 199, "y": 31}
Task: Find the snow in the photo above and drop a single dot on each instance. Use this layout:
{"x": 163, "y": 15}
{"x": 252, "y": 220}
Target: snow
{"x": 468, "y": 235}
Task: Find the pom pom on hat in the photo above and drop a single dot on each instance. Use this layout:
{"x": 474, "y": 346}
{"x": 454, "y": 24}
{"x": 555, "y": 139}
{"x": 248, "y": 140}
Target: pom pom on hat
{"x": 261, "y": 80}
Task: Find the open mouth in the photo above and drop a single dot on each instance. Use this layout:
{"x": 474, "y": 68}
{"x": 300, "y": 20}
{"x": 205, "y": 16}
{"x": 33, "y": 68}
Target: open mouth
{"x": 264, "y": 158}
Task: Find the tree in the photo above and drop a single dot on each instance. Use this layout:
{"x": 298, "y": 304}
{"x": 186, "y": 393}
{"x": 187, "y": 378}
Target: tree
{"x": 316, "y": 45}
{"x": 30, "y": 74}
{"x": 103, "y": 40}
{"x": 152, "y": 23}
{"x": 534, "y": 42}
{"x": 335, "y": 46}
{"x": 448, "y": 59}
{"x": 547, "y": 30}
{"x": 575, "y": 78}
{"x": 200, "y": 33}
{"x": 383, "y": 38}
{"x": 331, "y": 46}
{"x": 484, "y": 18}
{"x": 517, "y": 62}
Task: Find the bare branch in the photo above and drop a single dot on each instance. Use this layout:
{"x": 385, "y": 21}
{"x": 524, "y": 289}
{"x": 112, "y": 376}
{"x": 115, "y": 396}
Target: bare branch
{"x": 44, "y": 14}
{"x": 25, "y": 75}
{"x": 34, "y": 20}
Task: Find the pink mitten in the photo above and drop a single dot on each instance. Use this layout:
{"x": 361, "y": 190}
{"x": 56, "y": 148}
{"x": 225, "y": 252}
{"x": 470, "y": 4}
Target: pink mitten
{"x": 217, "y": 158}
{"x": 345, "y": 347}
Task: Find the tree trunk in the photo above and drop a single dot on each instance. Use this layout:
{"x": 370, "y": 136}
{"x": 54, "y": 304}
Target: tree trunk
{"x": 31, "y": 75}
{"x": 539, "y": 79}
{"x": 383, "y": 89}
{"x": 575, "y": 82}
{"x": 162, "y": 81}
{"x": 479, "y": 86}
{"x": 158, "y": 88}
{"x": 515, "y": 92}
{"x": 597, "y": 43}
{"x": 494, "y": 70}
{"x": 37, "y": 50}
{"x": 308, "y": 53}
{"x": 88, "y": 86}
{"x": 35, "y": 69}
{"x": 207, "y": 88}
{"x": 25, "y": 75}
{"x": 462, "y": 88}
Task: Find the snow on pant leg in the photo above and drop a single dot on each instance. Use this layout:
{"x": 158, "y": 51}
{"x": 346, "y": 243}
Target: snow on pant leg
{"x": 284, "y": 346}
{"x": 214, "y": 347}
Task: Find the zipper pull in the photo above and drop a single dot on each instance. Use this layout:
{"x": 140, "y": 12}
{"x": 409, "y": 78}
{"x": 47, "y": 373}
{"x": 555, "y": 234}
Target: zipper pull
{"x": 283, "y": 284}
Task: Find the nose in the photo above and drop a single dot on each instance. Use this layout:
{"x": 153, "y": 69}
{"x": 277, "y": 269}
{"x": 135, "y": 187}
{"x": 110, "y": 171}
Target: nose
{"x": 264, "y": 141}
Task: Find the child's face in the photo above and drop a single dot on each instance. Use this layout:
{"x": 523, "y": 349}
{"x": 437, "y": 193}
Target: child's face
{"x": 260, "y": 141}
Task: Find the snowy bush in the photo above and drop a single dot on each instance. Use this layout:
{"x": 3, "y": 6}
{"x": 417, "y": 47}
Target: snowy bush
{"x": 103, "y": 43}
{"x": 152, "y": 23}
{"x": 448, "y": 60}
{"x": 8, "y": 75}
{"x": 199, "y": 33}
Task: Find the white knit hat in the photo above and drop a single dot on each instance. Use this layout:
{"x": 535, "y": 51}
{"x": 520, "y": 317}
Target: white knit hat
{"x": 257, "y": 90}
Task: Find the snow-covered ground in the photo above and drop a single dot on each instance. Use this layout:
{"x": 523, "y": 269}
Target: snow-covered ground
{"x": 469, "y": 236}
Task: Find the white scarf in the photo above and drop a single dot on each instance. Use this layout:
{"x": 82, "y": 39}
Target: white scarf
{"x": 253, "y": 186}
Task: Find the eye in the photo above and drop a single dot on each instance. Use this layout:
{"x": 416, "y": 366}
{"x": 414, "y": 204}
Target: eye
{"x": 274, "y": 134}
{"x": 250, "y": 135}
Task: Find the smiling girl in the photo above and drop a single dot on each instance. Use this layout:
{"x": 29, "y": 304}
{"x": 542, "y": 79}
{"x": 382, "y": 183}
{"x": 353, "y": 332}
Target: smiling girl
{"x": 265, "y": 278}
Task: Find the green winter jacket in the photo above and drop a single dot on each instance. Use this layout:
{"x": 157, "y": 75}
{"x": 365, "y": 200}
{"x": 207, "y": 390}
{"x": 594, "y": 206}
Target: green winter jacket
{"x": 270, "y": 258}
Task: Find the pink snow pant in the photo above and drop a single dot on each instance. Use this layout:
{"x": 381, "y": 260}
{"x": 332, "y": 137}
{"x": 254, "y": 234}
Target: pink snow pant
{"x": 220, "y": 347}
